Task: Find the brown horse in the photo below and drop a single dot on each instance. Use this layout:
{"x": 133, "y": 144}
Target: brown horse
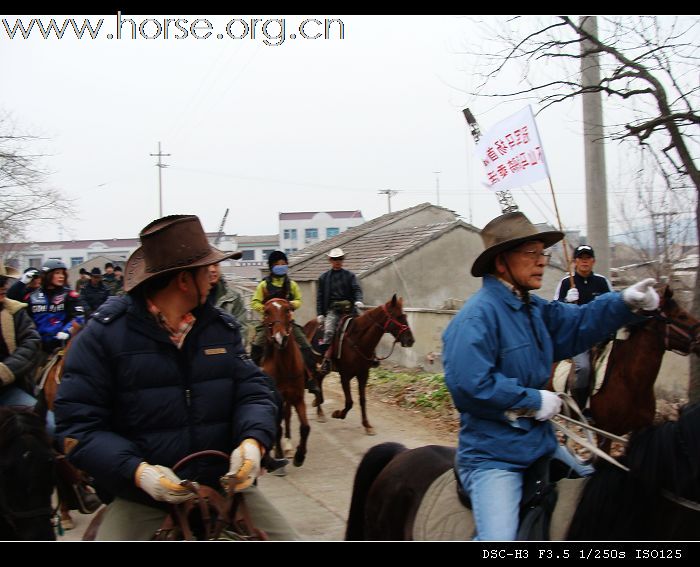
{"x": 626, "y": 400}
{"x": 71, "y": 482}
{"x": 283, "y": 361}
{"x": 656, "y": 500}
{"x": 357, "y": 356}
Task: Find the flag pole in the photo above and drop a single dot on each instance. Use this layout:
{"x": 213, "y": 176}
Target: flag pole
{"x": 565, "y": 247}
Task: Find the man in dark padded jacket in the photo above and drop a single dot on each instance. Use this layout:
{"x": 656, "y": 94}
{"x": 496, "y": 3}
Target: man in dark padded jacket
{"x": 160, "y": 374}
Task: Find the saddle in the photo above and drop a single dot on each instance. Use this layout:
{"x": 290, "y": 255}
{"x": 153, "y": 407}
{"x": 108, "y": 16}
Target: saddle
{"x": 536, "y": 505}
{"x": 210, "y": 516}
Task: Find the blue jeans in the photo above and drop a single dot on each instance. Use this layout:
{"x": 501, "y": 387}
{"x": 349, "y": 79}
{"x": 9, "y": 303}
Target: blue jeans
{"x": 14, "y": 396}
{"x": 496, "y": 495}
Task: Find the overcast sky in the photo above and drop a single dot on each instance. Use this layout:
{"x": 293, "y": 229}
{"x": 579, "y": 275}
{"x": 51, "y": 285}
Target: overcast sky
{"x": 307, "y": 125}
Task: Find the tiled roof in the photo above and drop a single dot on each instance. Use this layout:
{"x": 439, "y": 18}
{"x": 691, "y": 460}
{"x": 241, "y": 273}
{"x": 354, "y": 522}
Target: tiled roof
{"x": 259, "y": 239}
{"x": 371, "y": 250}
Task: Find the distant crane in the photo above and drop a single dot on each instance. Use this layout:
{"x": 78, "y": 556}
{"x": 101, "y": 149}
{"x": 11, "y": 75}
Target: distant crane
{"x": 221, "y": 229}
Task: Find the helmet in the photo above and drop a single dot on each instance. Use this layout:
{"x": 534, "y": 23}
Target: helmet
{"x": 52, "y": 264}
{"x": 276, "y": 256}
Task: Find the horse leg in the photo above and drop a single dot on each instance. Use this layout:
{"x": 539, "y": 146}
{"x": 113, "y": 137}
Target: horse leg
{"x": 304, "y": 429}
{"x": 345, "y": 383}
{"x": 361, "y": 385}
{"x": 287, "y": 440}
{"x": 320, "y": 416}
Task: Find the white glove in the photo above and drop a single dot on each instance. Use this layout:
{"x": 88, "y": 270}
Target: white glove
{"x": 245, "y": 466}
{"x": 62, "y": 336}
{"x": 572, "y": 295}
{"x": 28, "y": 276}
{"x": 551, "y": 404}
{"x": 162, "y": 484}
{"x": 359, "y": 304}
{"x": 320, "y": 319}
{"x": 642, "y": 295}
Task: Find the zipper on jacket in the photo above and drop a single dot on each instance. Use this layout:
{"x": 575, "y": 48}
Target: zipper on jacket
{"x": 188, "y": 398}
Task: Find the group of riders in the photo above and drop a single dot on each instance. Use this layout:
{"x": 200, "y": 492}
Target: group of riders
{"x": 160, "y": 373}
{"x": 48, "y": 312}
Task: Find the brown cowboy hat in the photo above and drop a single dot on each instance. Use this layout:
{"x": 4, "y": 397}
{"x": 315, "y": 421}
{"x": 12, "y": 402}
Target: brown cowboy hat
{"x": 169, "y": 244}
{"x": 506, "y": 232}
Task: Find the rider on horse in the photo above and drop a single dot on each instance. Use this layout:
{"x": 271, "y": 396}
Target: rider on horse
{"x": 338, "y": 293}
{"x": 55, "y": 307}
{"x": 587, "y": 286}
{"x": 279, "y": 285}
{"x": 498, "y": 353}
{"x": 158, "y": 375}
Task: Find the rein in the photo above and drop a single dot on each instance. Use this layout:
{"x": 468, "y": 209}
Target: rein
{"x": 685, "y": 331}
{"x": 385, "y": 328}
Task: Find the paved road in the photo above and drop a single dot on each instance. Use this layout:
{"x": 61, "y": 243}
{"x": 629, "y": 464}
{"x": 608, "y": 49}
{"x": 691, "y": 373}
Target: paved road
{"x": 316, "y": 497}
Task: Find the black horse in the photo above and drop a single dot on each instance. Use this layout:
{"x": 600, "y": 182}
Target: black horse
{"x": 27, "y": 476}
{"x": 658, "y": 499}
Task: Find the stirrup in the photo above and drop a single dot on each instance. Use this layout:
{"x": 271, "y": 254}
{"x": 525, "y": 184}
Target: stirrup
{"x": 87, "y": 500}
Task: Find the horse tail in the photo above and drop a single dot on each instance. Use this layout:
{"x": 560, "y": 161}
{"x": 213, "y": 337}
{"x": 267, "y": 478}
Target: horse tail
{"x": 371, "y": 465}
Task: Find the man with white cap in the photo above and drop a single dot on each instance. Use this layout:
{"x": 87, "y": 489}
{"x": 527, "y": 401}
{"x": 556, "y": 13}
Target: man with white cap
{"x": 498, "y": 353}
{"x": 338, "y": 293}
{"x": 160, "y": 374}
{"x": 587, "y": 285}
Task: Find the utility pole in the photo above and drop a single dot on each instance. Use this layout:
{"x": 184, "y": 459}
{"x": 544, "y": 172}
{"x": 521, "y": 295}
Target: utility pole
{"x": 594, "y": 151}
{"x": 389, "y": 194}
{"x": 160, "y": 165}
{"x": 437, "y": 185}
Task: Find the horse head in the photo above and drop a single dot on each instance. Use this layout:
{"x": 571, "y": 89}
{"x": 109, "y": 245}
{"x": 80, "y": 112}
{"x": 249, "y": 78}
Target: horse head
{"x": 682, "y": 330}
{"x": 277, "y": 318}
{"x": 27, "y": 476}
{"x": 396, "y": 323}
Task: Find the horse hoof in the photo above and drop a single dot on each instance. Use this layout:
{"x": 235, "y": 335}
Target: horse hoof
{"x": 282, "y": 471}
{"x": 338, "y": 414}
{"x": 67, "y": 524}
{"x": 321, "y": 419}
{"x": 370, "y": 431}
{"x": 299, "y": 460}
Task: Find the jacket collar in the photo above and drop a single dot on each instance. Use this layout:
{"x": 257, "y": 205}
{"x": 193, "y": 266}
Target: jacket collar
{"x": 496, "y": 287}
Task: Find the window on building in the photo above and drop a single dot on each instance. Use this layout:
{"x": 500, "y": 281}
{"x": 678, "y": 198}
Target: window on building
{"x": 290, "y": 233}
{"x": 266, "y": 253}
{"x": 75, "y": 260}
{"x": 290, "y": 250}
{"x": 311, "y": 233}
{"x": 36, "y": 262}
{"x": 332, "y": 231}
{"x": 248, "y": 255}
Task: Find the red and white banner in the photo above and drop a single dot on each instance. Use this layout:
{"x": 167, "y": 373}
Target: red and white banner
{"x": 512, "y": 153}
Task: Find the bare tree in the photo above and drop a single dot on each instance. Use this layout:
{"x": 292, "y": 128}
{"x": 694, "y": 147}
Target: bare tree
{"x": 648, "y": 69}
{"x": 26, "y": 199}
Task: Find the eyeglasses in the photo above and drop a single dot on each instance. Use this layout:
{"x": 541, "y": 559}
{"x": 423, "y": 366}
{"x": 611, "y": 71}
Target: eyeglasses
{"x": 534, "y": 255}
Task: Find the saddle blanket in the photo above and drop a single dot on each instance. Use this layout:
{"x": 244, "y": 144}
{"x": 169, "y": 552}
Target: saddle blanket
{"x": 565, "y": 368}
{"x": 442, "y": 517}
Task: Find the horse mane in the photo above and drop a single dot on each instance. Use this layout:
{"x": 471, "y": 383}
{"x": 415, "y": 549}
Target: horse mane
{"x": 623, "y": 505}
{"x": 15, "y": 422}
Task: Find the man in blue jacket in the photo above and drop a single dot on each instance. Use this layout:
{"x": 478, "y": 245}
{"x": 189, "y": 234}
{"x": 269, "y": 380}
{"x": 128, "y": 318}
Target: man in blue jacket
{"x": 498, "y": 353}
{"x": 160, "y": 374}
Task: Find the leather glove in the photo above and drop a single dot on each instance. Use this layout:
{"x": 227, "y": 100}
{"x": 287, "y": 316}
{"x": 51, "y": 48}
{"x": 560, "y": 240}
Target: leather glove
{"x": 162, "y": 484}
{"x": 359, "y": 304}
{"x": 642, "y": 295}
{"x": 245, "y": 466}
{"x": 62, "y": 336}
{"x": 28, "y": 276}
{"x": 572, "y": 295}
{"x": 320, "y": 319}
{"x": 551, "y": 404}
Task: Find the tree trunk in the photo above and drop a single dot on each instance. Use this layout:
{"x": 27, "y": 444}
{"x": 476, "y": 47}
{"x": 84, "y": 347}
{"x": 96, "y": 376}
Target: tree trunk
{"x": 694, "y": 381}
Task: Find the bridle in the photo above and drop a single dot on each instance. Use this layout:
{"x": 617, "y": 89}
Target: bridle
{"x": 398, "y": 326}
{"x": 686, "y": 332}
{"x": 270, "y": 324}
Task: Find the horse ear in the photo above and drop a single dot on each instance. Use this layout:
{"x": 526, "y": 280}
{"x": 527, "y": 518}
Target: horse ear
{"x": 393, "y": 301}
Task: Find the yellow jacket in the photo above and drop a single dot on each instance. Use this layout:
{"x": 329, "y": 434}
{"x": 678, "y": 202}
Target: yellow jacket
{"x": 258, "y": 300}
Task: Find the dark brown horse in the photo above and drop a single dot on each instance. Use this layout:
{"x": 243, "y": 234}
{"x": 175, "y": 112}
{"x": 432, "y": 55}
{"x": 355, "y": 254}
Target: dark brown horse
{"x": 657, "y": 500}
{"x": 358, "y": 351}
{"x": 626, "y": 400}
{"x": 27, "y": 476}
{"x": 283, "y": 361}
